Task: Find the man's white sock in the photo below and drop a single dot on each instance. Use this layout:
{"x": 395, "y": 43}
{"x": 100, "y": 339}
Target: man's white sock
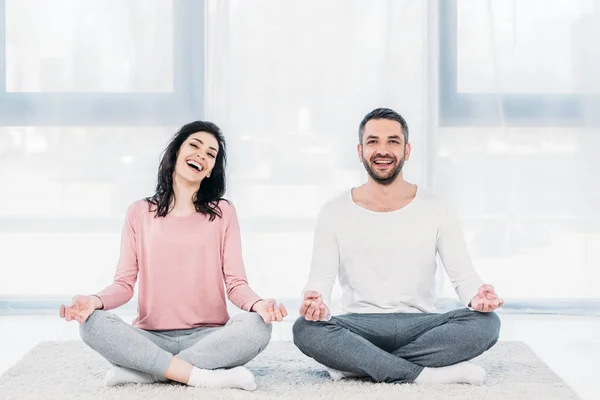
{"x": 234, "y": 378}
{"x": 464, "y": 372}
{"x": 337, "y": 375}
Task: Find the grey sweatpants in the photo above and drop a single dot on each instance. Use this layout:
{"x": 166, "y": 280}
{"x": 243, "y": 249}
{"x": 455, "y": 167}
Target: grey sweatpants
{"x": 396, "y": 347}
{"x": 231, "y": 345}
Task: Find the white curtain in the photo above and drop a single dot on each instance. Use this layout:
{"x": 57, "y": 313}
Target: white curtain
{"x": 289, "y": 81}
{"x": 527, "y": 185}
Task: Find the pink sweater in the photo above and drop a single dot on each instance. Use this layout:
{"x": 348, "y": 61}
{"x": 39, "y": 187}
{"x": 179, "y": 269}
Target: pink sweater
{"x": 181, "y": 263}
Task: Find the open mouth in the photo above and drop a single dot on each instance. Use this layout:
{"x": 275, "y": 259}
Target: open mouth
{"x": 197, "y": 167}
{"x": 383, "y": 163}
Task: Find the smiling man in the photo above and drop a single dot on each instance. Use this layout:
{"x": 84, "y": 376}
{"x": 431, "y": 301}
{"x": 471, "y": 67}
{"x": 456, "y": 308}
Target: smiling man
{"x": 381, "y": 239}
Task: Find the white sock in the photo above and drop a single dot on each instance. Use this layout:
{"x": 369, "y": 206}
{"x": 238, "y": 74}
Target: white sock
{"x": 337, "y": 375}
{"x": 119, "y": 375}
{"x": 234, "y": 378}
{"x": 464, "y": 372}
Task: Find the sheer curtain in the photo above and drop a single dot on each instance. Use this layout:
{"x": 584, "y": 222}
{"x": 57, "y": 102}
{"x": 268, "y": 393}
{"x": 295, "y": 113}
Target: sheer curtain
{"x": 290, "y": 82}
{"x": 488, "y": 89}
{"x": 523, "y": 171}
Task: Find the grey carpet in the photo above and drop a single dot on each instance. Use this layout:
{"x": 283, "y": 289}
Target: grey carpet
{"x": 70, "y": 370}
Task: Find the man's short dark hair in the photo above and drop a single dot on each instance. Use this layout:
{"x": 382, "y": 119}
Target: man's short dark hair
{"x": 383, "y": 113}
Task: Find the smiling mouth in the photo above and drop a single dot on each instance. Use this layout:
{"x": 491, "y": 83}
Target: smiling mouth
{"x": 383, "y": 162}
{"x": 194, "y": 165}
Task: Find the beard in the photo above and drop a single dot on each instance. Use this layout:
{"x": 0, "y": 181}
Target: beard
{"x": 382, "y": 177}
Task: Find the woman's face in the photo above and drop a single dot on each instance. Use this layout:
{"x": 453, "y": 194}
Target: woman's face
{"x": 196, "y": 157}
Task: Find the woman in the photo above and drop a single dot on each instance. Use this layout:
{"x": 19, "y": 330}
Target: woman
{"x": 183, "y": 242}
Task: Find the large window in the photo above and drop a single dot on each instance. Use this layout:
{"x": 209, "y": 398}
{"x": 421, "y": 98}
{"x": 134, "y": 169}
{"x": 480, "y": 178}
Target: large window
{"x": 90, "y": 92}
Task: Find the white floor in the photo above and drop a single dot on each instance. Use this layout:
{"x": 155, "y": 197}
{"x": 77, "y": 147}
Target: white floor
{"x": 570, "y": 345}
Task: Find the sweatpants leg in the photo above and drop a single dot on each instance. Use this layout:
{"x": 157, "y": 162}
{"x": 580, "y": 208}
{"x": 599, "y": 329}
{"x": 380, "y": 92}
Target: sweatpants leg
{"x": 240, "y": 340}
{"x": 124, "y": 345}
{"x": 438, "y": 340}
{"x": 358, "y": 343}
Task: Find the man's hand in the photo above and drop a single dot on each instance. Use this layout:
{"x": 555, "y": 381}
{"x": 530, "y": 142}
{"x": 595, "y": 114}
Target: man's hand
{"x": 313, "y": 308}
{"x": 486, "y": 299}
{"x": 270, "y": 311}
{"x": 81, "y": 308}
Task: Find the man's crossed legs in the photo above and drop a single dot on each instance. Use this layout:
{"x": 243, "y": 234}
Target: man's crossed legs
{"x": 403, "y": 347}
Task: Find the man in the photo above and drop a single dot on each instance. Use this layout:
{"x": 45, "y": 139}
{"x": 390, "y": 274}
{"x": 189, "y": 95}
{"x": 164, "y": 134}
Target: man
{"x": 381, "y": 239}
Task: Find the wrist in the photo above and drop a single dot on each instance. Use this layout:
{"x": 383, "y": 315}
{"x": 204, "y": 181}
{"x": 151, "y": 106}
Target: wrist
{"x": 97, "y": 301}
{"x": 253, "y": 308}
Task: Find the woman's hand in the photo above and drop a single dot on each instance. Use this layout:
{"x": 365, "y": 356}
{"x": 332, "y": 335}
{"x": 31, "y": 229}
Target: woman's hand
{"x": 269, "y": 310}
{"x": 81, "y": 308}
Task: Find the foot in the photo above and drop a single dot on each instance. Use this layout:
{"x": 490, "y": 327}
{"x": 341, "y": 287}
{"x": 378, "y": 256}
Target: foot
{"x": 337, "y": 375}
{"x": 119, "y": 375}
{"x": 234, "y": 378}
{"x": 464, "y": 372}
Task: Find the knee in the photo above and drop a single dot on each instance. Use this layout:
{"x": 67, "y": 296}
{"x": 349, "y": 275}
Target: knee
{"x": 256, "y": 329}
{"x": 303, "y": 332}
{"x": 487, "y": 329}
{"x": 313, "y": 338}
{"x": 95, "y": 323}
{"x": 494, "y": 327}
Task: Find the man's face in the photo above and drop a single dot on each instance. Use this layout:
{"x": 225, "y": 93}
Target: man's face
{"x": 383, "y": 151}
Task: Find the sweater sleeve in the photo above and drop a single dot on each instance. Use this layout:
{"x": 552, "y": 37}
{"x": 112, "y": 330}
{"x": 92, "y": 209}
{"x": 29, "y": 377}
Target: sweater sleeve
{"x": 234, "y": 272}
{"x": 325, "y": 257}
{"x": 452, "y": 248}
{"x": 121, "y": 290}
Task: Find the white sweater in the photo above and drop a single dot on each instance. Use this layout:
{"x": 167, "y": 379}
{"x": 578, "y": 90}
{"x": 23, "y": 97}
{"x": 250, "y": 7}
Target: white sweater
{"x": 386, "y": 261}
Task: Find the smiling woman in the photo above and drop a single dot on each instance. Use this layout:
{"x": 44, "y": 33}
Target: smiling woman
{"x": 183, "y": 244}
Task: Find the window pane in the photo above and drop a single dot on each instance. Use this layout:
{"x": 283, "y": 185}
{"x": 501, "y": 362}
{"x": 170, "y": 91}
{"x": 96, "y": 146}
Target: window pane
{"x": 530, "y": 205}
{"x": 89, "y": 46}
{"x": 512, "y": 47}
{"x": 77, "y": 172}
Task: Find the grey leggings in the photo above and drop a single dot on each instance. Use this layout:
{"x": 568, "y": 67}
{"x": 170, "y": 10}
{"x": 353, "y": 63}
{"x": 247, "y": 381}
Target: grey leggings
{"x": 396, "y": 347}
{"x": 236, "y": 343}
